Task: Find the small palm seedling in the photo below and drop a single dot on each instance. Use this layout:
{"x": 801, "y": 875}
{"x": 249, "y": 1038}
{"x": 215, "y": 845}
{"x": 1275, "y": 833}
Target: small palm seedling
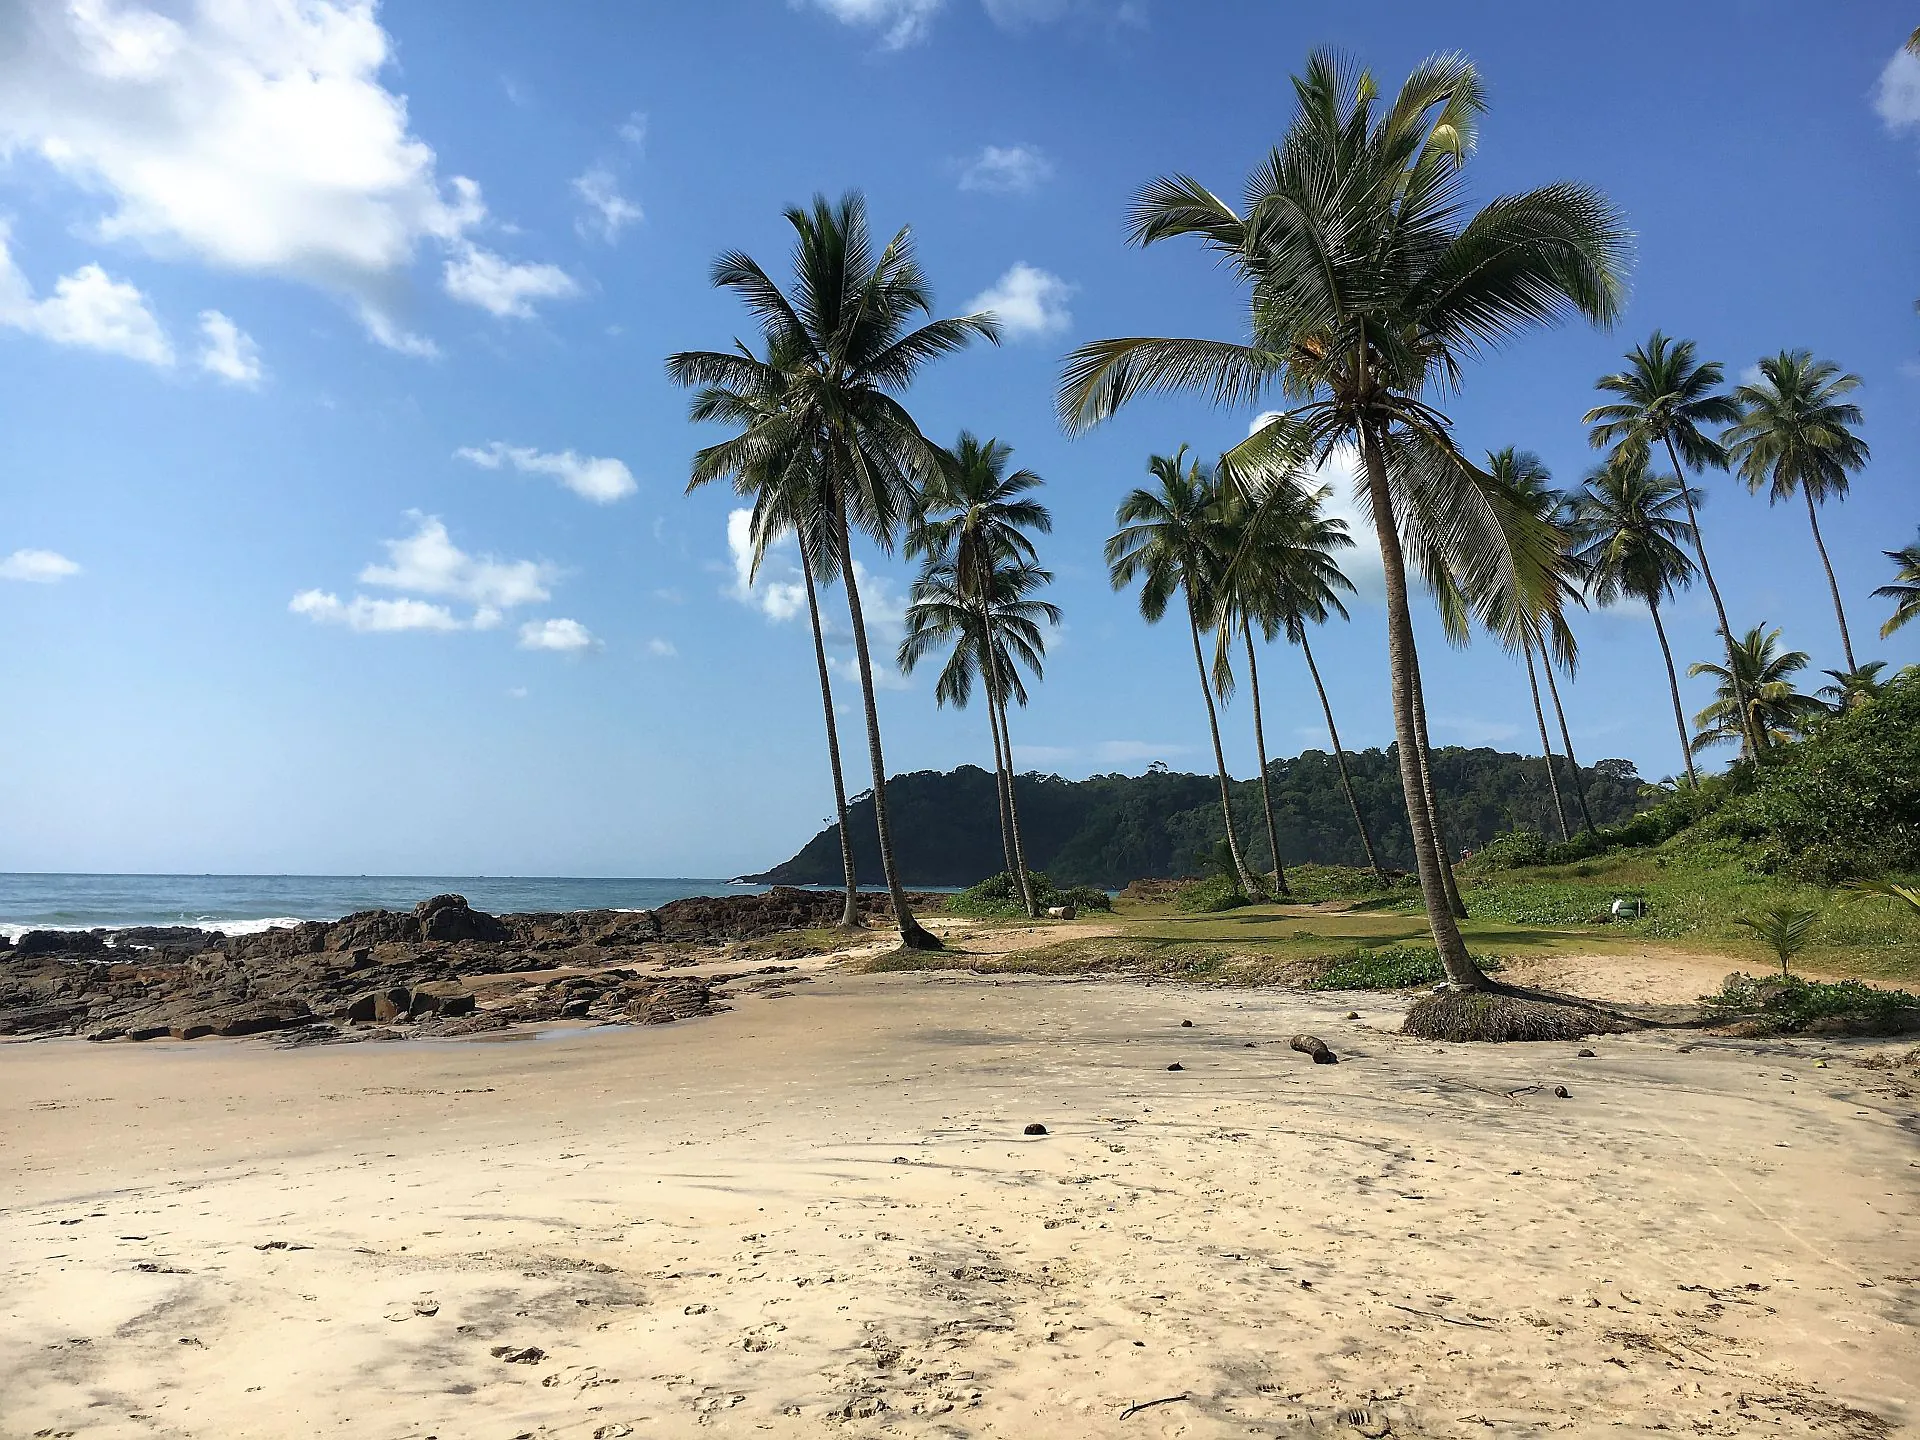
{"x": 1783, "y": 929}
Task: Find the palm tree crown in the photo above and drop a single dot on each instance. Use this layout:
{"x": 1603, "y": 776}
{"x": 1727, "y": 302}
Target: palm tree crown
{"x": 1905, "y": 591}
{"x": 1628, "y": 530}
{"x": 1666, "y": 396}
{"x": 1777, "y": 712}
{"x": 1795, "y": 431}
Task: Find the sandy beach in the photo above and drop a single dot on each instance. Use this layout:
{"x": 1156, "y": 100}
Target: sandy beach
{"x": 818, "y": 1213}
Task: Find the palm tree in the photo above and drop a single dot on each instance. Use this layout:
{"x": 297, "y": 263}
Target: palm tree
{"x": 1171, "y": 542}
{"x": 1539, "y": 626}
{"x": 851, "y": 336}
{"x": 1796, "y": 433}
{"x": 1905, "y": 591}
{"x": 1762, "y": 673}
{"x": 1371, "y": 282}
{"x": 991, "y": 627}
{"x": 1913, "y": 43}
{"x": 1853, "y": 688}
{"x": 1627, "y": 542}
{"x": 1665, "y": 397}
{"x": 1277, "y": 563}
{"x": 976, "y": 520}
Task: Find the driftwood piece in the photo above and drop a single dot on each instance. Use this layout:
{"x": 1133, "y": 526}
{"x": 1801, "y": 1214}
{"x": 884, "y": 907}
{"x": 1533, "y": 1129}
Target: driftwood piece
{"x": 1316, "y": 1047}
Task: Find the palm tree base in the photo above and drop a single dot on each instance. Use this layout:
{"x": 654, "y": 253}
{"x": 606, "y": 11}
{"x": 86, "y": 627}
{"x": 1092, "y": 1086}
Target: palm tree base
{"x": 1502, "y": 1013}
{"x": 914, "y": 936}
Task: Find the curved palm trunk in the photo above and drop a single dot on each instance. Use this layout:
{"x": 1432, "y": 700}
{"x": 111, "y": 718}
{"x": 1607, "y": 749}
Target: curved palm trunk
{"x": 1461, "y": 971}
{"x": 850, "y": 916}
{"x": 1719, "y": 607}
{"x": 1839, "y": 611}
{"x": 1000, "y": 787}
{"x": 1673, "y": 685}
{"x": 1546, "y": 749}
{"x": 1219, "y": 756}
{"x": 912, "y": 935}
{"x": 1003, "y": 755}
{"x": 1566, "y": 742}
{"x": 1340, "y": 758}
{"x": 1428, "y": 788}
{"x": 1013, "y": 817}
{"x": 1260, "y": 745}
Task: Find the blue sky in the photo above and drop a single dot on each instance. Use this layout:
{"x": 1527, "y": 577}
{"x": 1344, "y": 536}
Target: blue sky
{"x": 344, "y": 529}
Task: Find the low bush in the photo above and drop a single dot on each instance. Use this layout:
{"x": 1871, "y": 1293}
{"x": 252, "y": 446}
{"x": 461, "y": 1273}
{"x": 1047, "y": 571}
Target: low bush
{"x": 1215, "y": 893}
{"x": 1787, "y": 1004}
{"x": 1310, "y": 884}
{"x": 995, "y": 898}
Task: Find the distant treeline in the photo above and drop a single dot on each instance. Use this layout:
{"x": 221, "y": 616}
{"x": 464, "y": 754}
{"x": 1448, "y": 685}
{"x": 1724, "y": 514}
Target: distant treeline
{"x": 1110, "y": 829}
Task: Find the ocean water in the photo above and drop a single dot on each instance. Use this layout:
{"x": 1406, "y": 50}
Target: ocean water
{"x": 240, "y": 904}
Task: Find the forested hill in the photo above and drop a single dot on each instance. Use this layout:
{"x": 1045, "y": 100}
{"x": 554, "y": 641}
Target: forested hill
{"x": 1110, "y": 829}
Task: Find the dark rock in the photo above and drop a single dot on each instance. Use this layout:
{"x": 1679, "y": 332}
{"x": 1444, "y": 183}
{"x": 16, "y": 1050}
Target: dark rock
{"x": 1035, "y": 1129}
{"x": 575, "y": 1009}
{"x": 1316, "y": 1047}
{"x": 394, "y": 1004}
{"x": 449, "y": 917}
{"x": 1176, "y": 1066}
{"x": 1186, "y": 1024}
{"x": 189, "y": 938}
{"x": 531, "y": 1355}
{"x": 1585, "y": 1055}
{"x": 60, "y": 1015}
{"x": 1563, "y": 1092}
{"x": 359, "y": 1010}
{"x": 61, "y": 942}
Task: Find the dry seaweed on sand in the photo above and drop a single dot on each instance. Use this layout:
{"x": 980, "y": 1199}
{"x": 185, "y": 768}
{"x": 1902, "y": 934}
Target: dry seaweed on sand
{"x": 1502, "y": 1013}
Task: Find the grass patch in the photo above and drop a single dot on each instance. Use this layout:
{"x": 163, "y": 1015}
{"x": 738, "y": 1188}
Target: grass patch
{"x": 1313, "y": 884}
{"x": 1502, "y": 1016}
{"x": 1391, "y": 967}
{"x": 994, "y": 898}
{"x": 1788, "y": 1005}
{"x": 1136, "y": 957}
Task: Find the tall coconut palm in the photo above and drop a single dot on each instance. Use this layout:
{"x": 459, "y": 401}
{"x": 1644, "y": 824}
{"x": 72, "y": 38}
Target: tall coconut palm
{"x": 977, "y": 518}
{"x": 1277, "y": 560}
{"x": 1170, "y": 542}
{"x": 1372, "y": 281}
{"x": 1905, "y": 590}
{"x": 1761, "y": 677}
{"x": 1795, "y": 433}
{"x": 991, "y": 627}
{"x": 789, "y": 497}
{"x": 852, "y": 335}
{"x": 1666, "y": 395}
{"x": 1628, "y": 540}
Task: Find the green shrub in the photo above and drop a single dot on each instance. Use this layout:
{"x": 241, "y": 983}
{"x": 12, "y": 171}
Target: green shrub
{"x": 1788, "y": 1004}
{"x": 1511, "y": 851}
{"x": 1216, "y": 892}
{"x": 1310, "y": 883}
{"x": 1390, "y": 967}
{"x": 995, "y": 899}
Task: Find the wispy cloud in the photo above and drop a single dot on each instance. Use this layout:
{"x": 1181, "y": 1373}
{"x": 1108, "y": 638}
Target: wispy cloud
{"x": 372, "y": 615}
{"x": 664, "y": 649}
{"x": 37, "y": 567}
{"x": 608, "y": 212}
{"x": 501, "y": 287}
{"x": 1006, "y": 170}
{"x": 1030, "y": 303}
{"x": 899, "y": 22}
{"x": 592, "y": 477}
{"x": 568, "y": 637}
{"x": 88, "y": 309}
{"x": 228, "y": 352}
{"x": 1898, "y": 97}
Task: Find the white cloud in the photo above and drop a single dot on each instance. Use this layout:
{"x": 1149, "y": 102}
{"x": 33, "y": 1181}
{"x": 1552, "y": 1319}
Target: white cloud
{"x": 1030, "y": 303}
{"x": 229, "y": 351}
{"x": 1898, "y": 98}
{"x": 633, "y": 130}
{"x": 779, "y": 591}
{"x": 566, "y": 636}
{"x": 256, "y": 137}
{"x": 37, "y": 567}
{"x": 427, "y": 562}
{"x": 88, "y": 309}
{"x": 662, "y": 648}
{"x": 901, "y": 22}
{"x": 370, "y": 616}
{"x": 502, "y": 288}
{"x": 1006, "y": 170}
{"x": 592, "y": 477}
{"x": 518, "y": 692}
{"x": 1361, "y": 564}
{"x": 608, "y": 211}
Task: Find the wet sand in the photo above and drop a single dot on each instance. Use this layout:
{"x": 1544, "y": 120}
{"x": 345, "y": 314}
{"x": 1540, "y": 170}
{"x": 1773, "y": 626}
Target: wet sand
{"x": 818, "y": 1214}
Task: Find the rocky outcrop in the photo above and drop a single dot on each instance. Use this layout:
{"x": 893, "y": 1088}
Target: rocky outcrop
{"x": 441, "y": 968}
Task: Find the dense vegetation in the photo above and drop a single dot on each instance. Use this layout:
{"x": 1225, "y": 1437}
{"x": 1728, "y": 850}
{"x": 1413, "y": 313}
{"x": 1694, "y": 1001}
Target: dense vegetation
{"x": 1111, "y": 829}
